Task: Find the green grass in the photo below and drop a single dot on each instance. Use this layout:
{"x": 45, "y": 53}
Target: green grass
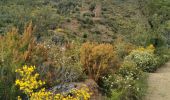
{"x": 142, "y": 85}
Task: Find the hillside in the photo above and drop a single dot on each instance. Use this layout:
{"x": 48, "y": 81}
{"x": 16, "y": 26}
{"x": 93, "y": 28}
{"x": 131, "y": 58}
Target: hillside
{"x": 97, "y": 20}
{"x": 81, "y": 49}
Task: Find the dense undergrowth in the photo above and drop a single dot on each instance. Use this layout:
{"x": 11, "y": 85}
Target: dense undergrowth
{"x": 81, "y": 49}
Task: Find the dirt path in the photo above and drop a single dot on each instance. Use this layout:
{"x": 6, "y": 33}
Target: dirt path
{"x": 97, "y": 11}
{"x": 159, "y": 84}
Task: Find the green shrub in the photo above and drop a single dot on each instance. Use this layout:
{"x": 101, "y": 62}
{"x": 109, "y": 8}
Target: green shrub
{"x": 122, "y": 47}
{"x": 129, "y": 89}
{"x": 163, "y": 54}
{"x": 67, "y": 6}
{"x": 106, "y": 84}
{"x": 85, "y": 35}
{"x": 126, "y": 88}
{"x": 129, "y": 68}
{"x": 86, "y": 22}
{"x": 144, "y": 58}
{"x": 124, "y": 84}
{"x": 89, "y": 14}
{"x": 17, "y": 13}
{"x": 92, "y": 6}
{"x": 115, "y": 95}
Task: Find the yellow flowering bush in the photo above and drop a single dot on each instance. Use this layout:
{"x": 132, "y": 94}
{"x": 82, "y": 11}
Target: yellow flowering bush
{"x": 77, "y": 94}
{"x": 41, "y": 95}
{"x": 149, "y": 49}
{"x": 29, "y": 82}
{"x": 144, "y": 58}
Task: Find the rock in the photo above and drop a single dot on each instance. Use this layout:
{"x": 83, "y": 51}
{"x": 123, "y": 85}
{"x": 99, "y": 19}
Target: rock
{"x": 91, "y": 84}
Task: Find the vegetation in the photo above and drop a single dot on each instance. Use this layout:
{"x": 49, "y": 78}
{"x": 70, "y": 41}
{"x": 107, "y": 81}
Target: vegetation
{"x": 29, "y": 83}
{"x": 96, "y": 59}
{"x": 17, "y": 50}
{"x": 144, "y": 58}
{"x": 112, "y": 44}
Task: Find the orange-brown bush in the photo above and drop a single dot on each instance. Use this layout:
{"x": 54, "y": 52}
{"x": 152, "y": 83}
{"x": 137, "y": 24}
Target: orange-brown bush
{"x": 97, "y": 58}
{"x": 21, "y": 48}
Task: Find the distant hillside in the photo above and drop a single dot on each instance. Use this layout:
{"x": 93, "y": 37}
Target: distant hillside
{"x": 94, "y": 20}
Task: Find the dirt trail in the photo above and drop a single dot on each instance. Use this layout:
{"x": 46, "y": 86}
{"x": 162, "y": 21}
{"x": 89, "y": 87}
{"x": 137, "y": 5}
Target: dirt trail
{"x": 97, "y": 11}
{"x": 159, "y": 84}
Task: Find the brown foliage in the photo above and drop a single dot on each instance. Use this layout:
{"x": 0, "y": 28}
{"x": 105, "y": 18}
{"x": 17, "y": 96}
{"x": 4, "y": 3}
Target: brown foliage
{"x": 18, "y": 49}
{"x": 97, "y": 58}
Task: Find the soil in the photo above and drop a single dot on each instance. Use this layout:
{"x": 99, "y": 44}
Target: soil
{"x": 159, "y": 84}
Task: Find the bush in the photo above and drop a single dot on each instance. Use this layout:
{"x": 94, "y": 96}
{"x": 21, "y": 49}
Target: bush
{"x": 106, "y": 84}
{"x": 92, "y": 6}
{"x": 28, "y": 83}
{"x": 43, "y": 15}
{"x": 126, "y": 89}
{"x": 144, "y": 58}
{"x": 89, "y": 14}
{"x": 121, "y": 84}
{"x": 88, "y": 21}
{"x": 17, "y": 49}
{"x": 63, "y": 65}
{"x": 67, "y": 6}
{"x": 115, "y": 95}
{"x": 97, "y": 58}
{"x": 163, "y": 54}
{"x": 129, "y": 89}
{"x": 122, "y": 47}
{"x": 129, "y": 68}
